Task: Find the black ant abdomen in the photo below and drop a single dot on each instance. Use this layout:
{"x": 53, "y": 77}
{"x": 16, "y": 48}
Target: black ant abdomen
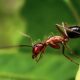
{"x": 74, "y": 32}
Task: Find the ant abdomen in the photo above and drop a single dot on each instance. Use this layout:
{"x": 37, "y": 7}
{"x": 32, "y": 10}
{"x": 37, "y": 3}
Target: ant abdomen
{"x": 74, "y": 33}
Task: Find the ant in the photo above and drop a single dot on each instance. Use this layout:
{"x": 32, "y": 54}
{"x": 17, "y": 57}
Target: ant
{"x": 54, "y": 42}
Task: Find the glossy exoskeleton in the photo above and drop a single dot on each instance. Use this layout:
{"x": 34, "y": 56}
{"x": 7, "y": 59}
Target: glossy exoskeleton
{"x": 74, "y": 32}
{"x": 54, "y": 42}
{"x": 37, "y": 48}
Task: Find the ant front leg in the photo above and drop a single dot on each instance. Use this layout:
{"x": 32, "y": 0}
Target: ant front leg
{"x": 41, "y": 54}
{"x": 63, "y": 47}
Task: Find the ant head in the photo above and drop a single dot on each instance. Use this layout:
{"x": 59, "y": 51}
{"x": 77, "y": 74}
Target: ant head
{"x": 37, "y": 48}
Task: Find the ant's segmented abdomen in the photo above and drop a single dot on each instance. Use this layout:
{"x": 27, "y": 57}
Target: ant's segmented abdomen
{"x": 74, "y": 33}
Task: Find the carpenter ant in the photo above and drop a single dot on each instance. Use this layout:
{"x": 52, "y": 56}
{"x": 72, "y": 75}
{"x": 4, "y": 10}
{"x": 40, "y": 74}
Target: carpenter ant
{"x": 54, "y": 42}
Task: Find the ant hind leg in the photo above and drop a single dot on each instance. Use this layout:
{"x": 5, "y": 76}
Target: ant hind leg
{"x": 64, "y": 46}
{"x": 72, "y": 52}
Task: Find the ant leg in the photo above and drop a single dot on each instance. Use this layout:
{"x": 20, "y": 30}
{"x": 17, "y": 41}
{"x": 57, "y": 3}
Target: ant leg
{"x": 47, "y": 37}
{"x": 63, "y": 25}
{"x": 63, "y": 47}
{"x": 72, "y": 52}
{"x": 51, "y": 34}
{"x": 66, "y": 28}
{"x": 37, "y": 60}
{"x": 59, "y": 29}
{"x": 41, "y": 54}
{"x": 14, "y": 46}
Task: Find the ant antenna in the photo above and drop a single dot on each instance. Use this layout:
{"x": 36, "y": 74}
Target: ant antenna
{"x": 31, "y": 41}
{"x": 13, "y": 46}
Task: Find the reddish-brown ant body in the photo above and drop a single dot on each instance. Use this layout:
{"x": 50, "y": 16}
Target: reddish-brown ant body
{"x": 54, "y": 42}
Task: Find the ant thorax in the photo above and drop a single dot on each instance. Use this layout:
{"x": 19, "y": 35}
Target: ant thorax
{"x": 56, "y": 39}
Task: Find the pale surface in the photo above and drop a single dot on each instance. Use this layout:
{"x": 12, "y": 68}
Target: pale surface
{"x": 78, "y": 74}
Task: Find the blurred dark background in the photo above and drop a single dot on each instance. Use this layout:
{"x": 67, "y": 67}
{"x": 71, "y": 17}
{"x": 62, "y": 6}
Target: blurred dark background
{"x": 36, "y": 18}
